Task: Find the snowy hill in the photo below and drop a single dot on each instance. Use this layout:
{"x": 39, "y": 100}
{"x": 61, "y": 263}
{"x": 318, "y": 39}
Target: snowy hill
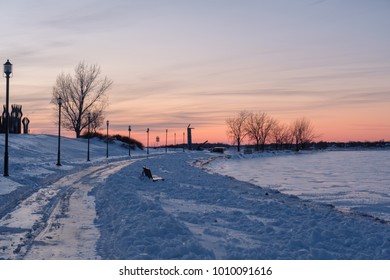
{"x": 105, "y": 209}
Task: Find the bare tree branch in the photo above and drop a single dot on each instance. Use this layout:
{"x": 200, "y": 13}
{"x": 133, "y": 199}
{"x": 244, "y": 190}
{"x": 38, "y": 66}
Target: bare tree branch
{"x": 303, "y": 132}
{"x": 82, "y": 93}
{"x": 258, "y": 127}
{"x": 236, "y": 128}
{"x": 282, "y": 135}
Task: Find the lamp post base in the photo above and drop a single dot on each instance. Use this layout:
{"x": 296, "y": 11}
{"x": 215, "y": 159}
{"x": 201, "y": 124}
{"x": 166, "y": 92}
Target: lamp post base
{"x": 6, "y": 165}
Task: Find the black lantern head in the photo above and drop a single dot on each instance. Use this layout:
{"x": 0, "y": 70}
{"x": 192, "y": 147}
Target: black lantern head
{"x": 8, "y": 68}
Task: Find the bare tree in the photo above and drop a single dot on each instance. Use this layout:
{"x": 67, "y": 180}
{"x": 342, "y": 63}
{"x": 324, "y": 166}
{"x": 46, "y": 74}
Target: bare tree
{"x": 236, "y": 128}
{"x": 303, "y": 132}
{"x": 258, "y": 128}
{"x": 84, "y": 92}
{"x": 281, "y": 134}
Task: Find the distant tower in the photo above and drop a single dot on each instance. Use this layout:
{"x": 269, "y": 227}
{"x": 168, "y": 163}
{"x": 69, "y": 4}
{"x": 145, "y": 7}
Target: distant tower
{"x": 189, "y": 137}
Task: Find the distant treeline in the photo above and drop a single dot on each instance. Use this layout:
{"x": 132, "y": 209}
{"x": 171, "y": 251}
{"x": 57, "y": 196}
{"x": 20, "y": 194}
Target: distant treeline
{"x": 352, "y": 144}
{"x": 321, "y": 145}
{"x": 262, "y": 129}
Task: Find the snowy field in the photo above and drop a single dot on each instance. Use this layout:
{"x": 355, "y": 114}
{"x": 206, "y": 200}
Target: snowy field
{"x": 357, "y": 181}
{"x": 105, "y": 209}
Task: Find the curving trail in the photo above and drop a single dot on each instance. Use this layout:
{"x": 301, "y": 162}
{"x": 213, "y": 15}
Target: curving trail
{"x": 57, "y": 221}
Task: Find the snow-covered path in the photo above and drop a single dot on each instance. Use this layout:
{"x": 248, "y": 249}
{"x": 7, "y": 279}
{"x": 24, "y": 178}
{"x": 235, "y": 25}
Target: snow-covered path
{"x": 57, "y": 222}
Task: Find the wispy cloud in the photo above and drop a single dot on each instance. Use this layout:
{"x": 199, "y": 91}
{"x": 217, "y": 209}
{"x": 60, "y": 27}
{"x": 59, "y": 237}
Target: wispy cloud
{"x": 199, "y": 62}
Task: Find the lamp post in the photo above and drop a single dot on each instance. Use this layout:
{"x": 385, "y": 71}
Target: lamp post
{"x": 147, "y": 141}
{"x": 129, "y": 138}
{"x": 166, "y": 140}
{"x": 59, "y": 102}
{"x": 183, "y": 140}
{"x": 7, "y": 73}
{"x": 89, "y": 135}
{"x": 108, "y": 122}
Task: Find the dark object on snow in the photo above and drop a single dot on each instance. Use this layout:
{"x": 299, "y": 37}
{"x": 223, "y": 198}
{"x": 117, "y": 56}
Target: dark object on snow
{"x": 200, "y": 146}
{"x": 148, "y": 173}
{"x": 220, "y": 150}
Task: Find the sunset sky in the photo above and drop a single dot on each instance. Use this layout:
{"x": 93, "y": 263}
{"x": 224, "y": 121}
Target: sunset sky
{"x": 199, "y": 62}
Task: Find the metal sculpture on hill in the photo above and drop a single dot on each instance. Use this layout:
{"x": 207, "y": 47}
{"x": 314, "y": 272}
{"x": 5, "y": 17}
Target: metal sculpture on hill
{"x": 15, "y": 121}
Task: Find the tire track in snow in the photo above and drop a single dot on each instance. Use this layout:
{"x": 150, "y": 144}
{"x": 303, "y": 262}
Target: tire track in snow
{"x": 57, "y": 222}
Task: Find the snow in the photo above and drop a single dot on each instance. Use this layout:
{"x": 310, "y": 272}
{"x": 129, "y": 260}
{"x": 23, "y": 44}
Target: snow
{"x": 355, "y": 181}
{"x": 105, "y": 208}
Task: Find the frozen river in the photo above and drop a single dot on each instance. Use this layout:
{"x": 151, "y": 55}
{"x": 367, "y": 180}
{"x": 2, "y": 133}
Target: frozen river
{"x": 356, "y": 181}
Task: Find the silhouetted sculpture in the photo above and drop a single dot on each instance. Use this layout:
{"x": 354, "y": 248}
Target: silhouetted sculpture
{"x": 15, "y": 120}
{"x": 2, "y": 121}
{"x": 25, "y": 122}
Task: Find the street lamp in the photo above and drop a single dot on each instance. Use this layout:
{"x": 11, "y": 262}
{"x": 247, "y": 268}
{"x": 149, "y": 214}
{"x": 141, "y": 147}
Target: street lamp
{"x": 107, "y": 139}
{"x": 183, "y": 140}
{"x": 147, "y": 141}
{"x": 89, "y": 135}
{"x": 59, "y": 102}
{"x": 166, "y": 140}
{"x": 7, "y": 73}
{"x": 129, "y": 138}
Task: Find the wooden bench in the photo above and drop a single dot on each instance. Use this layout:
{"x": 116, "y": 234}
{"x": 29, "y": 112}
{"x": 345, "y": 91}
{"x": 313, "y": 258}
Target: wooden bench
{"x": 148, "y": 173}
